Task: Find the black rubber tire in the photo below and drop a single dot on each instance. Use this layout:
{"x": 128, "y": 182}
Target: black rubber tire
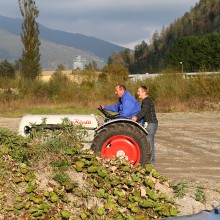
{"x": 126, "y": 129}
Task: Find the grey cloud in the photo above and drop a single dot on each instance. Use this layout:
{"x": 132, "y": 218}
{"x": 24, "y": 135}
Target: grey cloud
{"x": 116, "y": 21}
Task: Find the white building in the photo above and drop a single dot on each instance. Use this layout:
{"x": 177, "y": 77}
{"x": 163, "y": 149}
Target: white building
{"x": 77, "y": 63}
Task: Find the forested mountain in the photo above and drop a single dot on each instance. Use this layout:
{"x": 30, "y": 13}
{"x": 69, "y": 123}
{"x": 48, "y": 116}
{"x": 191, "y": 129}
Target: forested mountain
{"x": 57, "y": 47}
{"x": 52, "y": 54}
{"x": 192, "y": 40}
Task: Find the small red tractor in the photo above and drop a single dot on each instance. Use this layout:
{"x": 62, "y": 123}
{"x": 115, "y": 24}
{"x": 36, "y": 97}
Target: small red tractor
{"x": 114, "y": 137}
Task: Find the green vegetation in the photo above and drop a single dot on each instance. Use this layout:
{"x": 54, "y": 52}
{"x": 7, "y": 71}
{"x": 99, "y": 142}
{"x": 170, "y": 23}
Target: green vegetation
{"x": 171, "y": 92}
{"x": 180, "y": 189}
{"x": 49, "y": 176}
{"x": 7, "y": 69}
{"x": 196, "y": 53}
{"x": 199, "y": 194}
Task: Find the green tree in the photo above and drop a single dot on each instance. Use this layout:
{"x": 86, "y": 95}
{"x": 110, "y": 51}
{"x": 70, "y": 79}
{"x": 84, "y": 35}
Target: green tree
{"x": 196, "y": 53}
{"x": 112, "y": 58}
{"x": 109, "y": 60}
{"x": 115, "y": 73}
{"x": 7, "y": 69}
{"x": 60, "y": 67}
{"x": 128, "y": 57}
{"x": 17, "y": 65}
{"x": 31, "y": 67}
{"x": 141, "y": 51}
{"x": 91, "y": 66}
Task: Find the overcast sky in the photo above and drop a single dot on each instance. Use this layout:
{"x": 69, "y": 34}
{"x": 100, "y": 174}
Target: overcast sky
{"x": 122, "y": 22}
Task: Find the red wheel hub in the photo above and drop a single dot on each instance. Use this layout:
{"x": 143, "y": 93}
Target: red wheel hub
{"x": 121, "y": 146}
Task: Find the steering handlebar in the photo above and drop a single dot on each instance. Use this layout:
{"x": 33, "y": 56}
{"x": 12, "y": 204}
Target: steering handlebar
{"x": 107, "y": 114}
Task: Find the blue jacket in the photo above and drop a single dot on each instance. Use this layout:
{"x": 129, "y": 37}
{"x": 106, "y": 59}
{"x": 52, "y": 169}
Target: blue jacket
{"x": 127, "y": 106}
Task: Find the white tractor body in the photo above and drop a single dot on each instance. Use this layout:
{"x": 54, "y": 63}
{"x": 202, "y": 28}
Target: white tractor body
{"x": 114, "y": 137}
{"x": 89, "y": 122}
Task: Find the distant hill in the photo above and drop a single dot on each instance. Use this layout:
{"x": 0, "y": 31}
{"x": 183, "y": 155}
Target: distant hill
{"x": 57, "y": 47}
{"x": 52, "y": 54}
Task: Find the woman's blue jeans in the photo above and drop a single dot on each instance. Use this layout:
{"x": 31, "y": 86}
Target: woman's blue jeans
{"x": 152, "y": 129}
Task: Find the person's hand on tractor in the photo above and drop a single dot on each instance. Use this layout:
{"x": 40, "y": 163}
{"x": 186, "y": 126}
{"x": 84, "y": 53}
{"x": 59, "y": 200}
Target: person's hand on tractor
{"x": 103, "y": 111}
{"x": 101, "y": 108}
{"x": 106, "y": 113}
{"x": 134, "y": 118}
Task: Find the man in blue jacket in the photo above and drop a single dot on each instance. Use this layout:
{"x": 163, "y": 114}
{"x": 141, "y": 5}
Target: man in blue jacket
{"x": 127, "y": 106}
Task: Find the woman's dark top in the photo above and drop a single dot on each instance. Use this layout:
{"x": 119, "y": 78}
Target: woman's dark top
{"x": 147, "y": 111}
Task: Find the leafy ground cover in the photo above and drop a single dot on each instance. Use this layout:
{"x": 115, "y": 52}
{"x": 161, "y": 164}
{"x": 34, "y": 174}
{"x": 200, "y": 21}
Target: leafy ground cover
{"x": 49, "y": 176}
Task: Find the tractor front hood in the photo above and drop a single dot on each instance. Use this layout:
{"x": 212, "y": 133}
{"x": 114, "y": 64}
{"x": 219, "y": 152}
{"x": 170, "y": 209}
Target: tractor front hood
{"x": 87, "y": 121}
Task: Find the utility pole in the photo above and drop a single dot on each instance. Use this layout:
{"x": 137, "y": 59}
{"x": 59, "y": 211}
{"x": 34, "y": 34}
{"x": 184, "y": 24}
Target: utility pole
{"x": 181, "y": 63}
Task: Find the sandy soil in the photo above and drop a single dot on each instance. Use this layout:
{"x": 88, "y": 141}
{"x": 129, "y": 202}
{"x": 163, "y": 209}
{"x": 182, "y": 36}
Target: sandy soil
{"x": 187, "y": 148}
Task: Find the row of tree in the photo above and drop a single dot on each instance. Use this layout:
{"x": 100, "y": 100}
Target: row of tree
{"x": 196, "y": 53}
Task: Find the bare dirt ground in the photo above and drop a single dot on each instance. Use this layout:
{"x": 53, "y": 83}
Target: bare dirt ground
{"x": 187, "y": 148}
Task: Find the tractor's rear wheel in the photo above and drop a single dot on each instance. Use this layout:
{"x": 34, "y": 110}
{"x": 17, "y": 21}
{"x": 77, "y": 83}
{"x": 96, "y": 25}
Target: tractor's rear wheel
{"x": 123, "y": 140}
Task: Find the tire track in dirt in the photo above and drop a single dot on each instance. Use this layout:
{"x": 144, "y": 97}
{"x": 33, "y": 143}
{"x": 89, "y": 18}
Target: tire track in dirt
{"x": 188, "y": 146}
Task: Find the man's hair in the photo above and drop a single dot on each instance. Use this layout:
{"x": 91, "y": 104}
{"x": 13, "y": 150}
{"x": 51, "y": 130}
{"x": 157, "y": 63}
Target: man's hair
{"x": 122, "y": 87}
{"x": 144, "y": 88}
